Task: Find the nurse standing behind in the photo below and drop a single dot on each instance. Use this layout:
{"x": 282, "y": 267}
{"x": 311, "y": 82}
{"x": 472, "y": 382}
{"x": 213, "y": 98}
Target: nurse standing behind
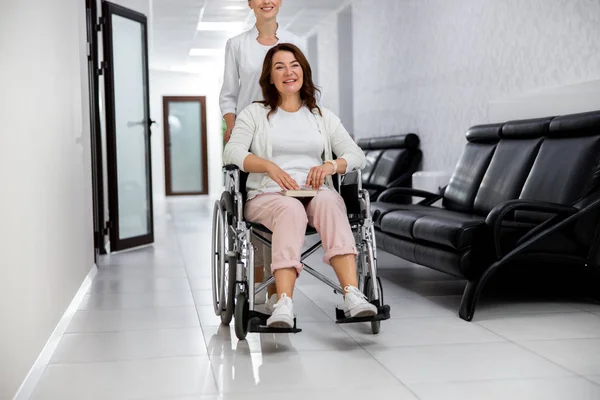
{"x": 244, "y": 57}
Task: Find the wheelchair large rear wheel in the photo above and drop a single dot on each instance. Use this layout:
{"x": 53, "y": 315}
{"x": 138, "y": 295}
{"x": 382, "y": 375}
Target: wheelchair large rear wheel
{"x": 230, "y": 266}
{"x": 217, "y": 260}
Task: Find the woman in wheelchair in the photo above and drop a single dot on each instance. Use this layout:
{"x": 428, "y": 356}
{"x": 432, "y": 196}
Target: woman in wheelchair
{"x": 287, "y": 142}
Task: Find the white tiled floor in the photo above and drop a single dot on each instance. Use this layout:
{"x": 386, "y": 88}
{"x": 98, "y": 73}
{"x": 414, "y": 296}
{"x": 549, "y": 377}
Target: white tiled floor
{"x": 147, "y": 330}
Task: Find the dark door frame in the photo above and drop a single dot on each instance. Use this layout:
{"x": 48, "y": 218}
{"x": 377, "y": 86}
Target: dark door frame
{"x": 95, "y": 127}
{"x": 109, "y": 9}
{"x": 167, "y": 143}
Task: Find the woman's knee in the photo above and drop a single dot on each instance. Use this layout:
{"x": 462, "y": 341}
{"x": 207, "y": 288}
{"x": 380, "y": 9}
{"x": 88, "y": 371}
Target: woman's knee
{"x": 291, "y": 211}
{"x": 329, "y": 199}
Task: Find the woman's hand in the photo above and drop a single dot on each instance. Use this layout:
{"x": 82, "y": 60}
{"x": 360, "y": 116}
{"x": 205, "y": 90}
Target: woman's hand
{"x": 316, "y": 176}
{"x": 283, "y": 179}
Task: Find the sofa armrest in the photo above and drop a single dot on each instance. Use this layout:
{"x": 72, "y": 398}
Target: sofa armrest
{"x": 389, "y": 195}
{"x": 499, "y": 214}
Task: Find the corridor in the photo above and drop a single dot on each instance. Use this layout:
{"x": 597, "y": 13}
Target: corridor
{"x": 147, "y": 330}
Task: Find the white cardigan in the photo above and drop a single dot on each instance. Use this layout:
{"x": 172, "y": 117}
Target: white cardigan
{"x": 251, "y": 136}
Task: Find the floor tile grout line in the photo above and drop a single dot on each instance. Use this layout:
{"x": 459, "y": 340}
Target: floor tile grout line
{"x": 534, "y": 353}
{"x": 179, "y": 246}
{"x": 392, "y": 374}
{"x": 521, "y": 379}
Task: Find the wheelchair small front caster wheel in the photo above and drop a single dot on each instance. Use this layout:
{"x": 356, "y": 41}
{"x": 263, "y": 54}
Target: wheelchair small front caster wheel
{"x": 242, "y": 312}
{"x": 375, "y": 325}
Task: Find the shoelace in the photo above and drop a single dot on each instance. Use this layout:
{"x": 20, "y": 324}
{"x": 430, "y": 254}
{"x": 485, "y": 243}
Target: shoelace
{"x": 354, "y": 290}
{"x": 281, "y": 301}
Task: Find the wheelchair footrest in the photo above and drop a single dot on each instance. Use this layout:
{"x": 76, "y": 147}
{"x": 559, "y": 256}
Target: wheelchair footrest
{"x": 383, "y": 313}
{"x": 258, "y": 323}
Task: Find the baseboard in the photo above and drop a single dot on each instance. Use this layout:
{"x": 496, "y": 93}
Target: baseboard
{"x": 36, "y": 371}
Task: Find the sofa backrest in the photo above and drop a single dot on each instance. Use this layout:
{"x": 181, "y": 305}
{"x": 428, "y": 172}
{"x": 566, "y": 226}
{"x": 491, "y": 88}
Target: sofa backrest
{"x": 553, "y": 159}
{"x": 389, "y": 157}
{"x": 472, "y": 165}
{"x": 510, "y": 165}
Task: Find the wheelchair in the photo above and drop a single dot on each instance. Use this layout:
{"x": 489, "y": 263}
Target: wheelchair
{"x": 232, "y": 262}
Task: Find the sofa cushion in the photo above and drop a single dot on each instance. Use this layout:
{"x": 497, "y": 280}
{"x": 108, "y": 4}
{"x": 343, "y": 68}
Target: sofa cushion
{"x": 380, "y": 209}
{"x": 435, "y": 225}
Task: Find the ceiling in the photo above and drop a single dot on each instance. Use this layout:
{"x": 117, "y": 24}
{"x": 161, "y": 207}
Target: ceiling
{"x": 173, "y": 26}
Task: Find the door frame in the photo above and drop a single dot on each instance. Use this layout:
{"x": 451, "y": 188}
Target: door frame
{"x": 203, "y": 144}
{"x": 92, "y": 28}
{"x": 117, "y": 244}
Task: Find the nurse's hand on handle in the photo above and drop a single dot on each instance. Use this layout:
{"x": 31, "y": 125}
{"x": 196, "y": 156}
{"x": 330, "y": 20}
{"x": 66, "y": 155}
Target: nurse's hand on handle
{"x": 230, "y": 123}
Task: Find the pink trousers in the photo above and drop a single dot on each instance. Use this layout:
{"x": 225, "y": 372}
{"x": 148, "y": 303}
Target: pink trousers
{"x": 287, "y": 218}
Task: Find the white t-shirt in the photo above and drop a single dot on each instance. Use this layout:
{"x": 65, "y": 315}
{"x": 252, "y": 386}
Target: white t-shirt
{"x": 244, "y": 58}
{"x": 297, "y": 145}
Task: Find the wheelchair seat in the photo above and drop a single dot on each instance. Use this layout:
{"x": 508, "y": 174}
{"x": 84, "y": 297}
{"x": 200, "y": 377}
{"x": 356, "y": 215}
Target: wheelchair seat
{"x": 263, "y": 229}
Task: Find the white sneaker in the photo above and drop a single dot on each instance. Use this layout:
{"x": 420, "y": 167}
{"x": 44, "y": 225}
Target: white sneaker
{"x": 271, "y": 301}
{"x": 260, "y": 297}
{"x": 356, "y": 304}
{"x": 283, "y": 313}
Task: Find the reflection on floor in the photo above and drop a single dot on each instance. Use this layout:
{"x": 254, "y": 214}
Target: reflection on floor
{"x": 147, "y": 330}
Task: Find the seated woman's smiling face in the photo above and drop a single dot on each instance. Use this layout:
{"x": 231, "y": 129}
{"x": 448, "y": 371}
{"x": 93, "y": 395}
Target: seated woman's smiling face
{"x": 286, "y": 74}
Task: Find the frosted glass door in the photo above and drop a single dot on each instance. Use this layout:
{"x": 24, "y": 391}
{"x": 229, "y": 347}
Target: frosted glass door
{"x": 128, "y": 128}
{"x": 185, "y": 146}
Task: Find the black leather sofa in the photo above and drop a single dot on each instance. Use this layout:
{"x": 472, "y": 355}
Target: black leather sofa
{"x": 523, "y": 192}
{"x": 391, "y": 161}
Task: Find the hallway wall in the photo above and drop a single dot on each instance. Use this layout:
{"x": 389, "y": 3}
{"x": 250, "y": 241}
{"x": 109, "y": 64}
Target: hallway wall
{"x": 46, "y": 234}
{"x": 435, "y": 66}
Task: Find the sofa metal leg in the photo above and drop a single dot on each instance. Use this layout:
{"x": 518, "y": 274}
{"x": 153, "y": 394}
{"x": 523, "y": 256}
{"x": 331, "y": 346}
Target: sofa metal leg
{"x": 469, "y": 299}
{"x": 473, "y": 291}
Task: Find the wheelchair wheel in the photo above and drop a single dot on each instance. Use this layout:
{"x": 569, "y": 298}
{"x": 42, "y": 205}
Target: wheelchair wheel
{"x": 375, "y": 325}
{"x": 217, "y": 260}
{"x": 230, "y": 267}
{"x": 242, "y": 312}
{"x": 368, "y": 286}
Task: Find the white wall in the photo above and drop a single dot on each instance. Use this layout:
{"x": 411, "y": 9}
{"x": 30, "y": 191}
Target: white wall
{"x": 46, "y": 234}
{"x": 327, "y": 59}
{"x": 436, "y": 67}
{"x": 207, "y": 83}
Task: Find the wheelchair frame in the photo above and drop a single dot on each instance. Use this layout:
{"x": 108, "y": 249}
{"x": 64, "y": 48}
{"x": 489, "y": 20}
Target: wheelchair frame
{"x": 232, "y": 240}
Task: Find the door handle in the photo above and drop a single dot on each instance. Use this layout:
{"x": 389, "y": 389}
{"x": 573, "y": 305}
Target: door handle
{"x": 133, "y": 123}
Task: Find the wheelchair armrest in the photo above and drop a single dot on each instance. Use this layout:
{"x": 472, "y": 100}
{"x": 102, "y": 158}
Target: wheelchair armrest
{"x": 351, "y": 178}
{"x": 230, "y": 167}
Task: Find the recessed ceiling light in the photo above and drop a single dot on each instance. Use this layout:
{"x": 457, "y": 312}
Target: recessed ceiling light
{"x": 205, "y": 52}
{"x": 221, "y": 26}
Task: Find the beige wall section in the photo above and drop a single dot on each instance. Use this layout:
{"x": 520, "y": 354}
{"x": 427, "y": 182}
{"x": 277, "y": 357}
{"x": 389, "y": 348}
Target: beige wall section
{"x": 46, "y": 234}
